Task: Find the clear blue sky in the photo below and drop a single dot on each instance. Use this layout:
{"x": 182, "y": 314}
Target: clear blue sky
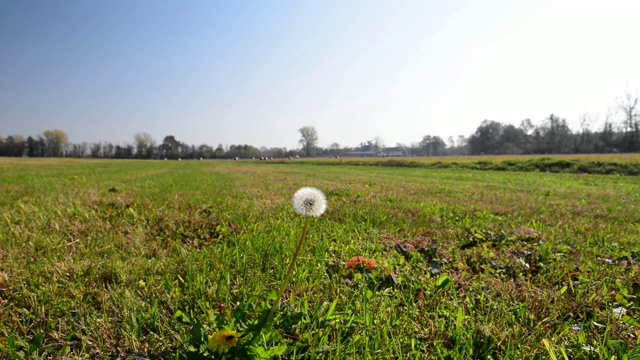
{"x": 254, "y": 72}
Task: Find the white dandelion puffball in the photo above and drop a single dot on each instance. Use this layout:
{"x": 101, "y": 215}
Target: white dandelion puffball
{"x": 309, "y": 201}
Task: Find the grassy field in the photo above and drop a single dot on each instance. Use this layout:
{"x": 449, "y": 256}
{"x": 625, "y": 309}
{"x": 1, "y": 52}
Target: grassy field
{"x": 617, "y": 158}
{"x": 603, "y": 164}
{"x": 144, "y": 259}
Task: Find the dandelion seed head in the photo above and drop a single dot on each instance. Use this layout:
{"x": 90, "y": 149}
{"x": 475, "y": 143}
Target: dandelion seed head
{"x": 223, "y": 340}
{"x": 309, "y": 201}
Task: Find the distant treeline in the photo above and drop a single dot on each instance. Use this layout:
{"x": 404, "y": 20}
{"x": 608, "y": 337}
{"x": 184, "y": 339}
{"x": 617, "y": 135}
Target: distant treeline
{"x": 54, "y": 143}
{"x": 551, "y": 136}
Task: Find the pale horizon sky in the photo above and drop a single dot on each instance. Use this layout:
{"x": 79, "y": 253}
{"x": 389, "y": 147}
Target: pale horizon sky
{"x": 254, "y": 72}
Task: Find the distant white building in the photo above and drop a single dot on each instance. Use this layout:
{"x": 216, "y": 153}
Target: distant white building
{"x": 392, "y": 152}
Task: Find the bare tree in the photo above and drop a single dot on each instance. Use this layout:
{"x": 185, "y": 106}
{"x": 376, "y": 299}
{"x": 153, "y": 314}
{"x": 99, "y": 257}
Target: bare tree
{"x": 78, "y": 150}
{"x": 145, "y": 145}
{"x": 56, "y": 141}
{"x": 556, "y": 136}
{"x": 631, "y": 123}
{"x": 309, "y": 139}
{"x": 461, "y": 145}
{"x": 108, "y": 150}
{"x": 96, "y": 150}
{"x": 584, "y": 141}
{"x": 378, "y": 142}
{"x": 527, "y": 128}
{"x": 335, "y": 148}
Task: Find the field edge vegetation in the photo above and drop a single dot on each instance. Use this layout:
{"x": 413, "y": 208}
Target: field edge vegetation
{"x": 601, "y": 165}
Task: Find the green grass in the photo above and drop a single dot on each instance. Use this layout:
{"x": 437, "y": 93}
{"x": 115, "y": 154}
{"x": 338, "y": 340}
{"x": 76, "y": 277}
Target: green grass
{"x": 603, "y": 164}
{"x": 133, "y": 258}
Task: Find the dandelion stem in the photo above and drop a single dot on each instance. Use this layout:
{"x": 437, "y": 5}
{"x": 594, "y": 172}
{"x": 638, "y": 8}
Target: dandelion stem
{"x": 269, "y": 317}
